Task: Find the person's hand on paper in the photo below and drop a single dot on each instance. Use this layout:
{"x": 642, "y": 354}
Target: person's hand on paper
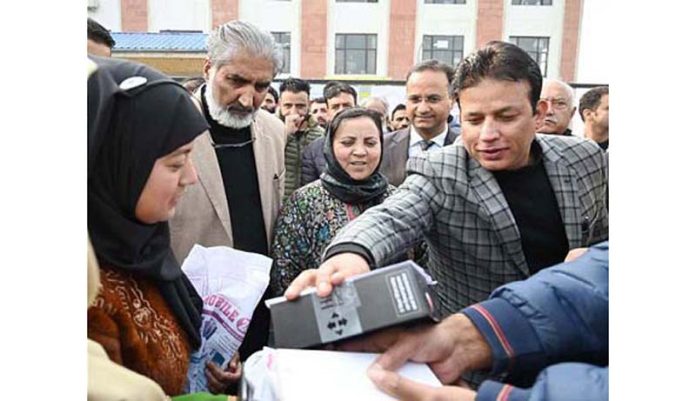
{"x": 451, "y": 347}
{"x": 332, "y": 272}
{"x": 405, "y": 389}
{"x": 218, "y": 379}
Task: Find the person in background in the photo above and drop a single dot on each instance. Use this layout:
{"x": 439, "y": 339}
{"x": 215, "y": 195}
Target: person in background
{"x": 270, "y": 101}
{"x": 339, "y": 96}
{"x": 147, "y": 316}
{"x": 380, "y": 105}
{"x": 428, "y": 104}
{"x": 318, "y": 109}
{"x": 241, "y": 161}
{"x": 191, "y": 84}
{"x": 594, "y": 111}
{"x": 399, "y": 118}
{"x": 300, "y": 128}
{"x": 99, "y": 40}
{"x": 559, "y": 95}
{"x": 544, "y": 338}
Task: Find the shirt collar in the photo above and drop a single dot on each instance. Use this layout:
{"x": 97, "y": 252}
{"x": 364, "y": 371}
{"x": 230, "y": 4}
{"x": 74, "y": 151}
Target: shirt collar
{"x": 415, "y": 138}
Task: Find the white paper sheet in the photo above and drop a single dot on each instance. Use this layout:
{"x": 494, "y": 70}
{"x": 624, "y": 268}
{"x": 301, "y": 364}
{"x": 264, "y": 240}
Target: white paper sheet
{"x": 310, "y": 375}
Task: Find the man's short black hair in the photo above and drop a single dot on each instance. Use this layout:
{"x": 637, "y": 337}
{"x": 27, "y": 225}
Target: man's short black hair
{"x": 432, "y": 65}
{"x": 398, "y": 107}
{"x": 295, "y": 85}
{"x": 99, "y": 34}
{"x": 335, "y": 88}
{"x": 318, "y": 100}
{"x": 500, "y": 61}
{"x": 591, "y": 99}
{"x": 273, "y": 93}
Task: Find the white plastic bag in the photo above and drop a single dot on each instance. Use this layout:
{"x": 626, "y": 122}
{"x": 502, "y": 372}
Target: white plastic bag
{"x": 231, "y": 283}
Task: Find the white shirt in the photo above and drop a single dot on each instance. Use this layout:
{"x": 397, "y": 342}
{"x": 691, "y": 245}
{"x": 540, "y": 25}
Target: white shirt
{"x": 414, "y": 146}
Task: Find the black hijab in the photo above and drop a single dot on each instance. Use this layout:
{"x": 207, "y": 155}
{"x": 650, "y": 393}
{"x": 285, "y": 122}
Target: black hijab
{"x": 147, "y": 117}
{"x": 337, "y": 181}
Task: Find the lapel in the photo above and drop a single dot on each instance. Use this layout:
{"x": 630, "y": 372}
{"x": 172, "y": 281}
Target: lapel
{"x": 565, "y": 187}
{"x": 264, "y": 172}
{"x": 211, "y": 179}
{"x": 491, "y": 200}
{"x": 451, "y": 136}
{"x": 401, "y": 153}
{"x": 396, "y": 155}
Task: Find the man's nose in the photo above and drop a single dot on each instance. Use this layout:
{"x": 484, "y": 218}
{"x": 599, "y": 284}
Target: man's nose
{"x": 422, "y": 106}
{"x": 246, "y": 99}
{"x": 550, "y": 110}
{"x": 489, "y": 130}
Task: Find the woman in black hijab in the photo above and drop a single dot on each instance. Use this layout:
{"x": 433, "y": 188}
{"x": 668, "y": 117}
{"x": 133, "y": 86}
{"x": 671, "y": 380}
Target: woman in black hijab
{"x": 141, "y": 130}
{"x": 351, "y": 184}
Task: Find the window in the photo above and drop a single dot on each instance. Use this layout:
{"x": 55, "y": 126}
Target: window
{"x": 532, "y": 2}
{"x": 356, "y": 53}
{"x": 448, "y": 49}
{"x": 445, "y": 1}
{"x": 356, "y": 1}
{"x": 283, "y": 40}
{"x": 536, "y": 46}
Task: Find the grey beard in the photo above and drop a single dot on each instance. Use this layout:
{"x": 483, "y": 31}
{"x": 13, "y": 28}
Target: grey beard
{"x": 222, "y": 116}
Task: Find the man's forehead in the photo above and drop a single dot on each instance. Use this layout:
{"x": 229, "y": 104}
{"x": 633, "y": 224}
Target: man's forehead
{"x": 427, "y": 77}
{"x": 493, "y": 99}
{"x": 295, "y": 95}
{"x": 250, "y": 68}
{"x": 556, "y": 89}
{"x": 340, "y": 98}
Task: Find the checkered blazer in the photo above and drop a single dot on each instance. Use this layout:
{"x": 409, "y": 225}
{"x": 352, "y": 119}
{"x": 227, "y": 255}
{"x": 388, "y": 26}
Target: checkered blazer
{"x": 474, "y": 243}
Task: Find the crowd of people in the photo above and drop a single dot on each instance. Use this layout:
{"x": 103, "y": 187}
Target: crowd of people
{"x": 499, "y": 205}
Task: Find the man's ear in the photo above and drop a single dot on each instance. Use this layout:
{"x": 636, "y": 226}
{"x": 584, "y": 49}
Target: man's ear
{"x": 542, "y": 108}
{"x": 206, "y": 68}
{"x": 572, "y": 113}
{"x": 586, "y": 115}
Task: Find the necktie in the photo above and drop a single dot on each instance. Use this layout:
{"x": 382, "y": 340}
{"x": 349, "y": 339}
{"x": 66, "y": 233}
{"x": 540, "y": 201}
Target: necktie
{"x": 425, "y": 144}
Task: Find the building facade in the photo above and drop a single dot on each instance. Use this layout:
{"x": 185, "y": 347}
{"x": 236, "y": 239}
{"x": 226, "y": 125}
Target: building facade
{"x": 370, "y": 40}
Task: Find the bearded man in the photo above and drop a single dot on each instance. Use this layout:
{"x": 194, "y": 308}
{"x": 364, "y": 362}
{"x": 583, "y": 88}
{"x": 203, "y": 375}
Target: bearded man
{"x": 240, "y": 161}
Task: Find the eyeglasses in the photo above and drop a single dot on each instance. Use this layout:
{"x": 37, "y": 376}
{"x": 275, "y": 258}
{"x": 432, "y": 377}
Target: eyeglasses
{"x": 558, "y": 104}
{"x": 217, "y": 146}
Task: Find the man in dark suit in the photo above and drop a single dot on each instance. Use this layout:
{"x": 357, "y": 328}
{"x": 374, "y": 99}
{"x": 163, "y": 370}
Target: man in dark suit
{"x": 428, "y": 105}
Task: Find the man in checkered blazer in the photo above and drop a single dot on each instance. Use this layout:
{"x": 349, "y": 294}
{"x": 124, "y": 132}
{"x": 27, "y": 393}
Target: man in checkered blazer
{"x": 496, "y": 208}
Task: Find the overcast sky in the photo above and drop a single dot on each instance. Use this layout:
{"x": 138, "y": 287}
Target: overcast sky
{"x": 593, "y": 58}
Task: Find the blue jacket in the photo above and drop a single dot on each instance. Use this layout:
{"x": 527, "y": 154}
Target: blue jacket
{"x": 560, "y": 314}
